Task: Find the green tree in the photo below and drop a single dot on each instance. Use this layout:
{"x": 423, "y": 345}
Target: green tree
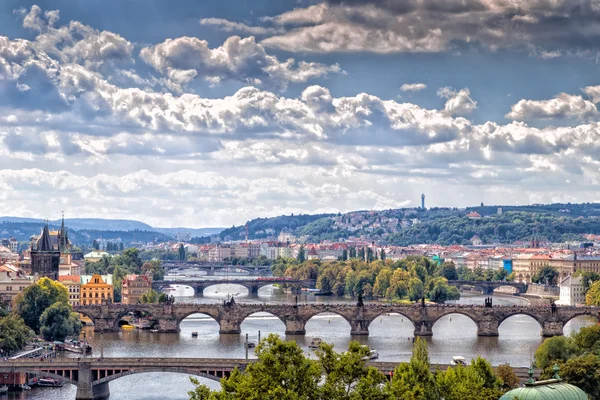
{"x": 557, "y": 348}
{"x": 58, "y": 321}
{"x": 150, "y": 297}
{"x": 546, "y": 275}
{"x": 441, "y": 292}
{"x": 416, "y": 289}
{"x": 448, "y": 271}
{"x": 35, "y": 299}
{"x": 583, "y": 372}
{"x": 588, "y": 338}
{"x": 301, "y": 257}
{"x": 352, "y": 252}
{"x": 155, "y": 267}
{"x": 414, "y": 380}
{"x": 181, "y": 252}
{"x": 281, "y": 371}
{"x": 592, "y": 298}
{"x": 14, "y": 334}
{"x": 344, "y": 255}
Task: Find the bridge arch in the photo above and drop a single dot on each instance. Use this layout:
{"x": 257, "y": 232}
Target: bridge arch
{"x": 188, "y": 371}
{"x": 507, "y": 316}
{"x": 456, "y": 311}
{"x": 182, "y": 317}
{"x": 384, "y": 313}
{"x": 309, "y": 317}
{"x": 573, "y": 317}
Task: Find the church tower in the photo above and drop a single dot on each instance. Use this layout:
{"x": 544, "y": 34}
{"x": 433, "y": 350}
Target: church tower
{"x": 45, "y": 258}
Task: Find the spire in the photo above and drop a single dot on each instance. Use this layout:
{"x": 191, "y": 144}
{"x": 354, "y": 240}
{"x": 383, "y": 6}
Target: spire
{"x": 63, "y": 235}
{"x": 44, "y": 242}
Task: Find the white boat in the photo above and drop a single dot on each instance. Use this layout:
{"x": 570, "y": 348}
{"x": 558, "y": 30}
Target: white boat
{"x": 3, "y": 389}
{"x": 49, "y": 382}
{"x": 315, "y": 343}
{"x": 458, "y": 360}
{"x": 373, "y": 354}
{"x": 75, "y": 346}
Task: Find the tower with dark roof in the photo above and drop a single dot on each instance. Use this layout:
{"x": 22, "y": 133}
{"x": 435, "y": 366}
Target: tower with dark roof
{"x": 45, "y": 257}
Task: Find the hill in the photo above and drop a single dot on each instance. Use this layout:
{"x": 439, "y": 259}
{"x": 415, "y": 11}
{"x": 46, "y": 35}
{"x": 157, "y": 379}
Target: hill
{"x": 446, "y": 226}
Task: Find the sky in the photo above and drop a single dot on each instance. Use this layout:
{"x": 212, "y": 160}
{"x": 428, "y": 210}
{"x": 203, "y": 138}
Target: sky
{"x": 211, "y": 113}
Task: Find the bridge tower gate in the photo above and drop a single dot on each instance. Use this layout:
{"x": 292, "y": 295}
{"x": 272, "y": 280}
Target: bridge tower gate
{"x": 86, "y": 390}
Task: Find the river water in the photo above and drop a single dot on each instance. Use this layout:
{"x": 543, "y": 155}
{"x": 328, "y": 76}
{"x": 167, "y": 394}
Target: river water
{"x": 390, "y": 335}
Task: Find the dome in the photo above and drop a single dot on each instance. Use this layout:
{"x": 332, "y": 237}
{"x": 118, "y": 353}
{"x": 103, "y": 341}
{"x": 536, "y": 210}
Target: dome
{"x": 552, "y": 389}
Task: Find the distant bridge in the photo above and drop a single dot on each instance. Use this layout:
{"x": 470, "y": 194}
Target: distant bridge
{"x": 91, "y": 376}
{"x": 295, "y": 316}
{"x": 488, "y": 287}
{"x": 213, "y": 266}
{"x": 251, "y": 284}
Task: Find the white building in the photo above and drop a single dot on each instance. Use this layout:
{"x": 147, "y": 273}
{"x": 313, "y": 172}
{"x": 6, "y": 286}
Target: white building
{"x": 571, "y": 291}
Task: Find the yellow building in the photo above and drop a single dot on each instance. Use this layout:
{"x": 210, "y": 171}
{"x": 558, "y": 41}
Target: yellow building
{"x": 96, "y": 289}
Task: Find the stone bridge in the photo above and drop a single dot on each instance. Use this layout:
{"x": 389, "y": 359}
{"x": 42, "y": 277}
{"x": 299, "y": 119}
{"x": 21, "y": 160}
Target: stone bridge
{"x": 91, "y": 376}
{"x": 231, "y": 315}
{"x": 211, "y": 267}
{"x": 251, "y": 284}
{"x": 488, "y": 287}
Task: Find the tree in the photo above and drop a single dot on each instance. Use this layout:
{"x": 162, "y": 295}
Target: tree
{"x": 448, "y": 271}
{"x": 181, "y": 252}
{"x": 416, "y": 289}
{"x": 344, "y": 255}
{"x": 583, "y": 372}
{"x": 14, "y": 334}
{"x": 382, "y": 255}
{"x": 592, "y": 298}
{"x": 281, "y": 371}
{"x": 352, "y": 252}
{"x": 58, "y": 321}
{"x": 121, "y": 246}
{"x": 546, "y": 275}
{"x": 557, "y": 348}
{"x": 35, "y": 299}
{"x": 301, "y": 257}
{"x": 507, "y": 376}
{"x": 588, "y": 338}
{"x": 150, "y": 297}
{"x": 95, "y": 245}
{"x": 414, "y": 380}
{"x": 441, "y": 292}
{"x": 156, "y": 268}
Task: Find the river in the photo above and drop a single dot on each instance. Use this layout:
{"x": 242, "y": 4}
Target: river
{"x": 390, "y": 335}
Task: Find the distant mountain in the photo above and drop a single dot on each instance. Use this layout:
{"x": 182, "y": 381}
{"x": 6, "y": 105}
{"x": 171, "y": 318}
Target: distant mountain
{"x": 191, "y": 231}
{"x": 99, "y": 224}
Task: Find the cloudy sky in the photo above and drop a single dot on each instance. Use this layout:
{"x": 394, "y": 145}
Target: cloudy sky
{"x": 209, "y": 113}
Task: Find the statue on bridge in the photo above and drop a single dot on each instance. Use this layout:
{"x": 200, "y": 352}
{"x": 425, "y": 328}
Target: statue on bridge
{"x": 360, "y": 303}
{"x": 230, "y": 302}
{"x": 488, "y": 302}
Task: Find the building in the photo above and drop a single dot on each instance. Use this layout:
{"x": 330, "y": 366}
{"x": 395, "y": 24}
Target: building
{"x": 45, "y": 258}
{"x": 134, "y": 287}
{"x": 285, "y": 236}
{"x": 96, "y": 289}
{"x": 422, "y": 201}
{"x": 473, "y": 215}
{"x": 12, "y": 283}
{"x": 572, "y": 292}
{"x": 550, "y": 389}
{"x": 73, "y": 285}
{"x": 95, "y": 256}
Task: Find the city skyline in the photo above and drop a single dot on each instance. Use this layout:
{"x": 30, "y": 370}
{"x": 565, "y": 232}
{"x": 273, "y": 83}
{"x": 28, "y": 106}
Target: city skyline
{"x": 210, "y": 114}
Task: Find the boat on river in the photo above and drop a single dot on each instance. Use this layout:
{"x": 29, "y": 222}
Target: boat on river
{"x": 49, "y": 382}
{"x": 127, "y": 327}
{"x": 315, "y": 343}
{"x": 75, "y": 346}
{"x": 373, "y": 354}
{"x": 3, "y": 390}
{"x": 458, "y": 360}
{"x": 194, "y": 334}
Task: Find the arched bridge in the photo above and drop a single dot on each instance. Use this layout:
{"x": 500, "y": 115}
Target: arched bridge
{"x": 488, "y": 287}
{"x": 92, "y": 376}
{"x": 251, "y": 284}
{"x": 213, "y": 266}
{"x": 231, "y": 315}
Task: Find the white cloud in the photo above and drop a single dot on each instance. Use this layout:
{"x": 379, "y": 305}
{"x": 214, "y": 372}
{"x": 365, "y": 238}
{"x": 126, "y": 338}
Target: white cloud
{"x": 458, "y": 102}
{"x": 413, "y": 87}
{"x": 562, "y": 106}
{"x": 229, "y": 26}
{"x": 183, "y": 59}
{"x": 434, "y": 26}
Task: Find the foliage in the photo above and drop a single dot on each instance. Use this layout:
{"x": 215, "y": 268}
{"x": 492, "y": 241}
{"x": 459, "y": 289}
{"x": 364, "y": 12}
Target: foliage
{"x": 557, "y": 348}
{"x": 583, "y": 372}
{"x": 448, "y": 271}
{"x": 14, "y": 334}
{"x": 507, "y": 376}
{"x": 546, "y": 275}
{"x": 35, "y": 299}
{"x": 592, "y": 297}
{"x": 301, "y": 257}
{"x": 153, "y": 297}
{"x": 58, "y": 322}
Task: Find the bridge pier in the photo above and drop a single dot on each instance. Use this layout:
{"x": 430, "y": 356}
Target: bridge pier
{"x": 423, "y": 328}
{"x": 104, "y": 325}
{"x": 488, "y": 327}
{"x": 86, "y": 390}
{"x": 229, "y": 326}
{"x": 295, "y": 326}
{"x": 168, "y": 325}
{"x": 552, "y": 328}
{"x": 359, "y": 327}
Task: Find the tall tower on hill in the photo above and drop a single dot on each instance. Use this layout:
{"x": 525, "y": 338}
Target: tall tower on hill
{"x": 423, "y": 201}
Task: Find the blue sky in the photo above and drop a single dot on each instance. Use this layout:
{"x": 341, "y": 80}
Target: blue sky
{"x": 211, "y": 113}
